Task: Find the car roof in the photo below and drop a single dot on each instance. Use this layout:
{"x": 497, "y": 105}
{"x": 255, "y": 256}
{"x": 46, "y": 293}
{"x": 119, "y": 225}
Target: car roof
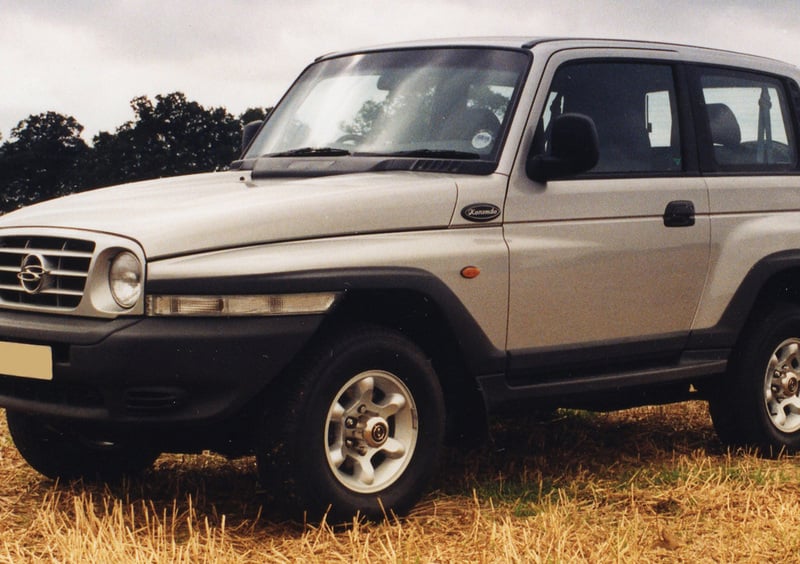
{"x": 681, "y": 51}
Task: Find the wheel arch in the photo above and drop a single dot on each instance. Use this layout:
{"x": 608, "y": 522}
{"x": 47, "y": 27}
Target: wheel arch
{"x": 420, "y": 318}
{"x": 412, "y": 301}
{"x": 773, "y": 279}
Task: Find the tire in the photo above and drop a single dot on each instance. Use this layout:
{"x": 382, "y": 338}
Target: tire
{"x": 759, "y": 403}
{"x": 359, "y": 430}
{"x": 55, "y": 449}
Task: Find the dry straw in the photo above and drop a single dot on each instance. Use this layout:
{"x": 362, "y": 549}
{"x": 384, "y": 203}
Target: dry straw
{"x": 650, "y": 484}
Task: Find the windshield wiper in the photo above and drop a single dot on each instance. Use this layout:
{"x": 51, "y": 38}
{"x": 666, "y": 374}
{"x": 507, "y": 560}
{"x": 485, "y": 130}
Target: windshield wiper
{"x": 312, "y": 152}
{"x": 435, "y": 154}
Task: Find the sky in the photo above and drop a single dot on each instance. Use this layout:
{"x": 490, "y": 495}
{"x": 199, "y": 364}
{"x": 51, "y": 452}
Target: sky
{"x": 89, "y": 58}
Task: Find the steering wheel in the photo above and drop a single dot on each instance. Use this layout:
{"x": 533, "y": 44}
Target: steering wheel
{"x": 350, "y": 139}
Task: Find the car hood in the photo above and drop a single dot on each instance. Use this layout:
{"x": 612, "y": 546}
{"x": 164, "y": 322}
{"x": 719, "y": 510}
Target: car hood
{"x": 187, "y": 214}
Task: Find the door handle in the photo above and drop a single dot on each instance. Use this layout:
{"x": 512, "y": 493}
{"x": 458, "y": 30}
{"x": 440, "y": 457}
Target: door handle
{"x": 679, "y": 213}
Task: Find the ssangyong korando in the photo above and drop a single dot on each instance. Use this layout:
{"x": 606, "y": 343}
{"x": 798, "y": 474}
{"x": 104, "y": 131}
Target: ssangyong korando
{"x": 416, "y": 237}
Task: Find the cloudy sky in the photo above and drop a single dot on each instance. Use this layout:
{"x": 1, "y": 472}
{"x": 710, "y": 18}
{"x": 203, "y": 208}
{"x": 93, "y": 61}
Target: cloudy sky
{"x": 89, "y": 58}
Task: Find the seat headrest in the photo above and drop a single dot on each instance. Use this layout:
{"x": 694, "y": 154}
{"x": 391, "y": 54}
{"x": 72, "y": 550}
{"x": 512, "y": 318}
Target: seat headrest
{"x": 725, "y": 129}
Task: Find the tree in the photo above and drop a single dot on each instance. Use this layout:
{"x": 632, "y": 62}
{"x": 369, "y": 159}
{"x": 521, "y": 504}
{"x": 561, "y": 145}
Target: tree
{"x": 171, "y": 136}
{"x": 44, "y": 158}
{"x": 254, "y": 114}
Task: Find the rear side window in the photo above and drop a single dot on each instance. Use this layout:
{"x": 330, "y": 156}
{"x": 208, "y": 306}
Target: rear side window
{"x": 633, "y": 106}
{"x": 749, "y": 121}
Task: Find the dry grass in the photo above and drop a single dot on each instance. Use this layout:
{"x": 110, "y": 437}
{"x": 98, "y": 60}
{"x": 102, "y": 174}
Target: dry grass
{"x": 651, "y": 484}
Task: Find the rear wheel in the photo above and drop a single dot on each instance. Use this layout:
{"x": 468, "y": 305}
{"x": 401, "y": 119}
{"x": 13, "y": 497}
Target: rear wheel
{"x": 759, "y": 403}
{"x": 57, "y": 450}
{"x": 360, "y": 429}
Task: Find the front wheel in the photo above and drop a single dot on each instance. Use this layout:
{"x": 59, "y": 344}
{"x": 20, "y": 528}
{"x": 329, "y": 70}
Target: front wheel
{"x": 359, "y": 430}
{"x": 759, "y": 404}
{"x": 372, "y": 431}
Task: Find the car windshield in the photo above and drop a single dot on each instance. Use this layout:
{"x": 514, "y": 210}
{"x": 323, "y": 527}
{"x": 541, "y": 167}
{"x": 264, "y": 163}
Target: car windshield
{"x": 452, "y": 103}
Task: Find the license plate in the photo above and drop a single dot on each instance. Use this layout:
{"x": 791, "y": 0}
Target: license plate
{"x": 26, "y": 361}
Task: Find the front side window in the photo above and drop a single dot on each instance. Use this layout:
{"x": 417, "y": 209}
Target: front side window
{"x": 748, "y": 119}
{"x": 633, "y": 107}
{"x": 454, "y": 103}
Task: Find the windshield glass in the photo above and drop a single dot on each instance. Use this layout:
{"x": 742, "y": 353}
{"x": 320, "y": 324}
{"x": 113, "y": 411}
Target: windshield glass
{"x": 444, "y": 103}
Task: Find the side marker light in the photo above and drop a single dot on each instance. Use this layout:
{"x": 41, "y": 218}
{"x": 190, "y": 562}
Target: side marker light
{"x": 470, "y": 272}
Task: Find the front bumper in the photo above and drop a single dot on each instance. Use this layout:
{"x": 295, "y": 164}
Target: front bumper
{"x": 143, "y": 371}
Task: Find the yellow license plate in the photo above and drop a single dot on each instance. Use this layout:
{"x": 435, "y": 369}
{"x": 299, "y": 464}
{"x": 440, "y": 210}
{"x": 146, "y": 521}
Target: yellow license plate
{"x": 26, "y": 361}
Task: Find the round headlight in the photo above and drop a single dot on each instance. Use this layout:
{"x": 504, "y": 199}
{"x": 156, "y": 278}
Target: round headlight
{"x": 125, "y": 279}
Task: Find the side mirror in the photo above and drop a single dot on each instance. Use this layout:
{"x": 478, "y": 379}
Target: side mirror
{"x": 249, "y": 131}
{"x": 574, "y": 148}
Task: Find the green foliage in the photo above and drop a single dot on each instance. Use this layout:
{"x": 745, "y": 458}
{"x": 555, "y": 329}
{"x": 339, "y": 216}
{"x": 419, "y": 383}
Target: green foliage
{"x": 171, "y": 136}
{"x": 365, "y": 118}
{"x": 254, "y": 114}
{"x": 46, "y": 156}
{"x": 45, "y": 159}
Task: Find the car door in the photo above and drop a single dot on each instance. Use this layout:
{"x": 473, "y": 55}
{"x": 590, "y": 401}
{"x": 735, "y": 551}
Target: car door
{"x": 749, "y": 159}
{"x": 607, "y": 267}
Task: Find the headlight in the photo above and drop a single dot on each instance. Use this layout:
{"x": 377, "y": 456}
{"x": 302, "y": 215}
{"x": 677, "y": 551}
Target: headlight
{"x": 125, "y": 279}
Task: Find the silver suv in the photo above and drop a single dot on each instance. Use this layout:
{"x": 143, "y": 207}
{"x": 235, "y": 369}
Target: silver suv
{"x": 416, "y": 237}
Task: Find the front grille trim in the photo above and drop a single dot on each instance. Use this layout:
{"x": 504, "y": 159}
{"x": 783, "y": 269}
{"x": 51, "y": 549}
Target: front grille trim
{"x": 66, "y": 263}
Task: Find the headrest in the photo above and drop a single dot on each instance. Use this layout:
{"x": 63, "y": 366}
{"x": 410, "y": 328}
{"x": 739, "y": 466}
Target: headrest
{"x": 725, "y": 129}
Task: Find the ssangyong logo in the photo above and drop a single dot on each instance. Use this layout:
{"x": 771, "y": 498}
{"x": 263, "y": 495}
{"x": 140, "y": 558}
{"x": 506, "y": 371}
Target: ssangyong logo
{"x": 480, "y": 212}
{"x": 33, "y": 275}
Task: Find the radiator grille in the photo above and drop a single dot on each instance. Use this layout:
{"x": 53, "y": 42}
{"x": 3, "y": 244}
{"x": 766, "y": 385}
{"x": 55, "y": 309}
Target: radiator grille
{"x": 47, "y": 272}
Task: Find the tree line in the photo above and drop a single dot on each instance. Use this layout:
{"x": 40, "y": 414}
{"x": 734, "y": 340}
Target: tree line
{"x": 46, "y": 156}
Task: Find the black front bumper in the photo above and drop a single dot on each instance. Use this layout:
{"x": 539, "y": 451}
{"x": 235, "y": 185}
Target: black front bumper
{"x": 143, "y": 371}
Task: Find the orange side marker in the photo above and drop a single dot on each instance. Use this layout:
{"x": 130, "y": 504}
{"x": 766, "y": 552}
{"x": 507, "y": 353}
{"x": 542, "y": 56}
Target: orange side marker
{"x": 470, "y": 272}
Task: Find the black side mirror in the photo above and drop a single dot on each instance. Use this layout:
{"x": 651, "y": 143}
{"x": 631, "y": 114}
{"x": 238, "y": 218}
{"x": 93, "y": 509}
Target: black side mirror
{"x": 249, "y": 131}
{"x": 574, "y": 148}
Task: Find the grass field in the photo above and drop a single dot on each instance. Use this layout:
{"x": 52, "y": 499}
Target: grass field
{"x": 643, "y": 485}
